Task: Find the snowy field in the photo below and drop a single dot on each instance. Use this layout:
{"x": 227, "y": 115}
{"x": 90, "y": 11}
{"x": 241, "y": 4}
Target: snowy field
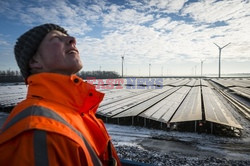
{"x": 159, "y": 147}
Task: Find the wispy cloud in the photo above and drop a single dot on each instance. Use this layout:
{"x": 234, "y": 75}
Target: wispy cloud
{"x": 3, "y": 43}
{"x": 149, "y": 31}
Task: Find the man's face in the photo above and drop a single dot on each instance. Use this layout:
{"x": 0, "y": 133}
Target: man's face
{"x": 57, "y": 53}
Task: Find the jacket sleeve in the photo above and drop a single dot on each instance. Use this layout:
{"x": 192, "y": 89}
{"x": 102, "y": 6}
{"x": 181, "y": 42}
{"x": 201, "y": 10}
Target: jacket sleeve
{"x": 18, "y": 150}
{"x": 60, "y": 150}
{"x": 64, "y": 151}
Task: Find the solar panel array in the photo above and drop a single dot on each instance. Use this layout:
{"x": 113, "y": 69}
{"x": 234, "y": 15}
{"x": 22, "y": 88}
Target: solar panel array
{"x": 167, "y": 100}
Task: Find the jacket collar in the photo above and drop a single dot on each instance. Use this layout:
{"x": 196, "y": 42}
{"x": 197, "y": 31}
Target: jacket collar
{"x": 70, "y": 91}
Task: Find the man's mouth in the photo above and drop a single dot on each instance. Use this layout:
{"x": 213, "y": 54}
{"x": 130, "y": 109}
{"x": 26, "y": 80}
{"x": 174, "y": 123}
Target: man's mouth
{"x": 73, "y": 51}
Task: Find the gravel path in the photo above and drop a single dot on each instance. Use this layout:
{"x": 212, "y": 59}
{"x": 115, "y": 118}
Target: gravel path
{"x": 176, "y": 159}
{"x": 161, "y": 148}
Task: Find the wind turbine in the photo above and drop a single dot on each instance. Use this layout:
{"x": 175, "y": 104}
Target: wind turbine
{"x": 220, "y": 48}
{"x": 149, "y": 68}
{"x": 202, "y": 66}
{"x": 122, "y": 63}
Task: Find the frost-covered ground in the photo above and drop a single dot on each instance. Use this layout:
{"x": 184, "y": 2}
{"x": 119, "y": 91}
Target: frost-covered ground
{"x": 158, "y": 147}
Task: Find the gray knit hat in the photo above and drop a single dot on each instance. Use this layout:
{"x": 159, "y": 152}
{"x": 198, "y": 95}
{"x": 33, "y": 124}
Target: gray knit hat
{"x": 27, "y": 45}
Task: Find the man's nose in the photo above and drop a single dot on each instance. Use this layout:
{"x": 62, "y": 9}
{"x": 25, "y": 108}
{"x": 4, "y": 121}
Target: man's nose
{"x": 71, "y": 40}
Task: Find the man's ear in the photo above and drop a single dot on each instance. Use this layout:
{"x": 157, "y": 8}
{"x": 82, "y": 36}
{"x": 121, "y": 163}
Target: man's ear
{"x": 35, "y": 63}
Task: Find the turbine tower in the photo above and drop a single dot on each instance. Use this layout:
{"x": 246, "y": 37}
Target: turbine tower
{"x": 149, "y": 68}
{"x": 202, "y": 66}
{"x": 122, "y": 63}
{"x": 220, "y": 48}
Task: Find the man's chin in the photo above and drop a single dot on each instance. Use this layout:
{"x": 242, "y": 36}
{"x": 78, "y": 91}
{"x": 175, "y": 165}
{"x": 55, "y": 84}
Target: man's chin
{"x": 78, "y": 69}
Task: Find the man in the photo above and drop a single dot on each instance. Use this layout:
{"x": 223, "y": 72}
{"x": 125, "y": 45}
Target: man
{"x": 56, "y": 123}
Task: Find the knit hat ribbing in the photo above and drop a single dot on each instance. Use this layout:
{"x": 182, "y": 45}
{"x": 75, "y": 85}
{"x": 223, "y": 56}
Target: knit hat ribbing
{"x": 28, "y": 43}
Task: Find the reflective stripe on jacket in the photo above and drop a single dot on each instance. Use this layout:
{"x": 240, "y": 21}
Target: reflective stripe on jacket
{"x": 56, "y": 125}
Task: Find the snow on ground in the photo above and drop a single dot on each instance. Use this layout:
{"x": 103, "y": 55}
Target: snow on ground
{"x": 159, "y": 147}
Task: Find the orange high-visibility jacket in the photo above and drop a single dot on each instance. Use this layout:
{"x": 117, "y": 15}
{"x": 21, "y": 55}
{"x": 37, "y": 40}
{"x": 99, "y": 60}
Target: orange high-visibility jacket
{"x": 56, "y": 125}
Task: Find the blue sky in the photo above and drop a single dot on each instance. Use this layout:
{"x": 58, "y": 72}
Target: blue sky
{"x": 174, "y": 36}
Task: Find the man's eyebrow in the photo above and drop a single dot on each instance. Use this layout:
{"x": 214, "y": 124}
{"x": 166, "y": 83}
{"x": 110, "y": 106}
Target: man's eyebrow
{"x": 59, "y": 33}
{"x": 55, "y": 34}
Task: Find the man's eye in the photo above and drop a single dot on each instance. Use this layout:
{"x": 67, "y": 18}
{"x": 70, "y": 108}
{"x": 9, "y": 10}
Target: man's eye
{"x": 57, "y": 38}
